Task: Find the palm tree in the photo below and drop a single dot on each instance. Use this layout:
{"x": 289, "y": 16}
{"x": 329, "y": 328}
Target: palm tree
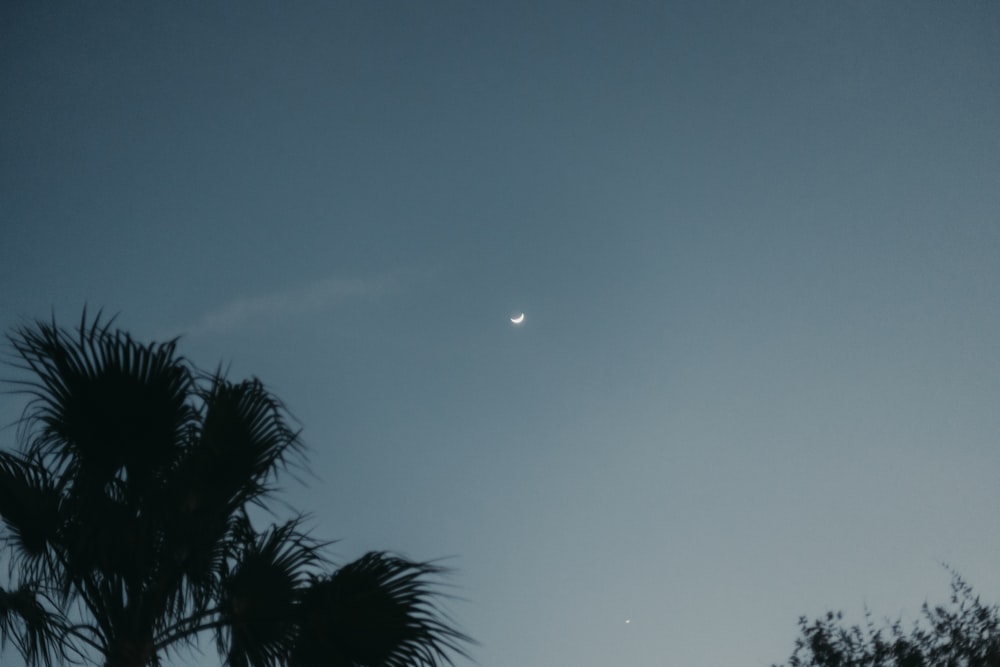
{"x": 126, "y": 517}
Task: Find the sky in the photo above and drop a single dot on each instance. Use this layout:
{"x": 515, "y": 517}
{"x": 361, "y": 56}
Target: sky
{"x": 757, "y": 245}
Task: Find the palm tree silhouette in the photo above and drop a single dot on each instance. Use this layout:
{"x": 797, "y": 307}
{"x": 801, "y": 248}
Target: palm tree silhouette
{"x": 126, "y": 517}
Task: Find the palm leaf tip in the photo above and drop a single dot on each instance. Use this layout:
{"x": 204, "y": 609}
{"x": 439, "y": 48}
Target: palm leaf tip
{"x": 37, "y": 632}
{"x": 378, "y": 611}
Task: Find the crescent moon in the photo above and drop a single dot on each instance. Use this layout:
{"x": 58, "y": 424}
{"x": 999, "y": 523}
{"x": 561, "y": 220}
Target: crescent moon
{"x": 518, "y": 319}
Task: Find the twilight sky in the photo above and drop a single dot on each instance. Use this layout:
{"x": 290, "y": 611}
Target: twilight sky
{"x": 757, "y": 245}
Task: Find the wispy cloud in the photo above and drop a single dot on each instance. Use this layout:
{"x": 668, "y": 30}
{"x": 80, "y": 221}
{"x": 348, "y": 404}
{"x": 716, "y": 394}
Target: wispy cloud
{"x": 308, "y": 298}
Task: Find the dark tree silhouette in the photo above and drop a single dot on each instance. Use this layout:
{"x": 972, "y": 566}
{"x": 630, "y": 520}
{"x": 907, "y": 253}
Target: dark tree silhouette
{"x": 125, "y": 517}
{"x": 963, "y": 633}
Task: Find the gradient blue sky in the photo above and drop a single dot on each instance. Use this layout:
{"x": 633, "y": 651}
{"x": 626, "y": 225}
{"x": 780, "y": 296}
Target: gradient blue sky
{"x": 757, "y": 243}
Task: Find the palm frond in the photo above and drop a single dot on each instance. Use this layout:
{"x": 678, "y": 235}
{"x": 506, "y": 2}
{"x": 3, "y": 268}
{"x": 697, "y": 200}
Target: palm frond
{"x": 100, "y": 401}
{"x": 259, "y": 594}
{"x": 244, "y": 441}
{"x": 29, "y": 507}
{"x": 37, "y": 632}
{"x": 378, "y": 611}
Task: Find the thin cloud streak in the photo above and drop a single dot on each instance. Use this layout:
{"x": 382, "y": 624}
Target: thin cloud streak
{"x": 309, "y": 298}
